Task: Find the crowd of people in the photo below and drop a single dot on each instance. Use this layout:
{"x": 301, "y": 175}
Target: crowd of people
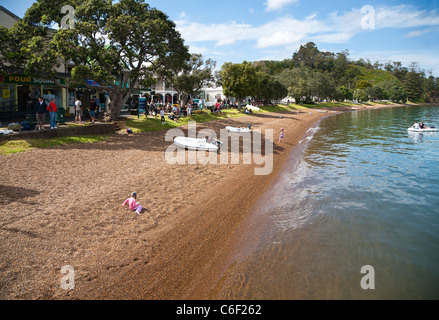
{"x": 153, "y": 108}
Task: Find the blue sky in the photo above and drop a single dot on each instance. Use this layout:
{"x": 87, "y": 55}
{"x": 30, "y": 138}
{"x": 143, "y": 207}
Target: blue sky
{"x": 252, "y": 30}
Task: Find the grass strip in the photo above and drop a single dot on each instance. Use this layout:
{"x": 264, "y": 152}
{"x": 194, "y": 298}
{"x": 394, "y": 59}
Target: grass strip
{"x": 16, "y": 146}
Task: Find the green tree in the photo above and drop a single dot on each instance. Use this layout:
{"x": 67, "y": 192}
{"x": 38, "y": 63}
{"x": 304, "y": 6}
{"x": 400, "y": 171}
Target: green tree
{"x": 323, "y": 86}
{"x": 346, "y": 93}
{"x": 375, "y": 93}
{"x": 239, "y": 80}
{"x": 397, "y": 93}
{"x": 298, "y": 81}
{"x": 363, "y": 84}
{"x": 112, "y": 43}
{"x": 269, "y": 88}
{"x": 413, "y": 85}
{"x": 431, "y": 91}
{"x": 307, "y": 56}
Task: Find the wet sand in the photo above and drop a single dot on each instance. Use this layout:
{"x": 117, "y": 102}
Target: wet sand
{"x": 62, "y": 206}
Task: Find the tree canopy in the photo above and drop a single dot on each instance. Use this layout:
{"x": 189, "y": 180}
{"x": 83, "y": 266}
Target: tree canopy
{"x": 113, "y": 44}
{"x": 239, "y": 80}
{"x": 312, "y": 74}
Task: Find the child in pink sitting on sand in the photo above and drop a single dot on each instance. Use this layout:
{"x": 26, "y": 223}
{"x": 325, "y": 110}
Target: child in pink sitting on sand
{"x": 133, "y": 204}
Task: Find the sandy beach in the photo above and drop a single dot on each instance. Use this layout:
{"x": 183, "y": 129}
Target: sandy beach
{"x": 63, "y": 206}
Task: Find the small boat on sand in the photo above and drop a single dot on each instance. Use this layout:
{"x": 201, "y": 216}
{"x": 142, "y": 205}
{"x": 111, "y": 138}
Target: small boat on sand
{"x": 198, "y": 144}
{"x": 237, "y": 130}
{"x": 6, "y": 131}
{"x": 253, "y": 108}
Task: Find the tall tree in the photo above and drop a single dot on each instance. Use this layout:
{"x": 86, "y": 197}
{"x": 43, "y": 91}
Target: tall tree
{"x": 269, "y": 88}
{"x": 413, "y": 85}
{"x": 111, "y": 43}
{"x": 307, "y": 55}
{"x": 239, "y": 80}
{"x": 299, "y": 82}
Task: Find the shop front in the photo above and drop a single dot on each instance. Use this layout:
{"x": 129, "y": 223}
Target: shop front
{"x": 19, "y": 93}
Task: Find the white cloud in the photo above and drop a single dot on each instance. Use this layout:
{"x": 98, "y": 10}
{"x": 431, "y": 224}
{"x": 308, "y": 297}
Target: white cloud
{"x": 405, "y": 16}
{"x": 417, "y": 33}
{"x": 335, "y": 28}
{"x": 287, "y": 33}
{"x": 274, "y": 5}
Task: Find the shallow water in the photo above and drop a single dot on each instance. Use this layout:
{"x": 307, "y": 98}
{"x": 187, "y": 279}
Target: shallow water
{"x": 364, "y": 193}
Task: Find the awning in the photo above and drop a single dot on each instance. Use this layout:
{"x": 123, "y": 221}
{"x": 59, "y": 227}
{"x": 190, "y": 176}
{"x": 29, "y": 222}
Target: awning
{"x": 92, "y": 83}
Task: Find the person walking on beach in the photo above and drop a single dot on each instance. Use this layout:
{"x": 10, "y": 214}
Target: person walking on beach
{"x": 282, "y": 135}
{"x": 78, "y": 109}
{"x": 133, "y": 204}
{"x": 52, "y": 113}
{"x": 40, "y": 109}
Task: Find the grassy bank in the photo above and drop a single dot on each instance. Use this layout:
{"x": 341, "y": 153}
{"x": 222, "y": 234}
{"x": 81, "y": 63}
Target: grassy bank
{"x": 145, "y": 124}
{"x": 16, "y": 146}
{"x": 136, "y": 124}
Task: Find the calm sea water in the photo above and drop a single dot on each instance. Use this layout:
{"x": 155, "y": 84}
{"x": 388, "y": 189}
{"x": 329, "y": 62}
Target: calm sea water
{"x": 365, "y": 192}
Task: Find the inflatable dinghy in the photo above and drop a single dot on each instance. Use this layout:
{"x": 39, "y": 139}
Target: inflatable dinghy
{"x": 253, "y": 108}
{"x": 197, "y": 144}
{"x": 238, "y": 130}
{"x": 431, "y": 129}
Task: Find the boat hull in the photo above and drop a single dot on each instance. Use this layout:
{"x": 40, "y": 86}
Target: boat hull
{"x": 195, "y": 144}
{"x": 423, "y": 130}
{"x": 237, "y": 130}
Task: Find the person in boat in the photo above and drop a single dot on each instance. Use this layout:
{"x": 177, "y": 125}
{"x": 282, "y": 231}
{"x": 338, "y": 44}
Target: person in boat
{"x": 416, "y": 126}
{"x": 422, "y": 125}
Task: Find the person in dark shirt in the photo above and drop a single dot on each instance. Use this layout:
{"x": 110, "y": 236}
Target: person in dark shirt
{"x": 93, "y": 107}
{"x": 40, "y": 109}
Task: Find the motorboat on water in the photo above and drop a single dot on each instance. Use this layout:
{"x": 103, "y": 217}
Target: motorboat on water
{"x": 430, "y": 129}
{"x": 198, "y": 144}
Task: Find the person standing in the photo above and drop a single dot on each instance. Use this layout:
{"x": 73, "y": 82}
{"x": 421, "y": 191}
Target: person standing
{"x": 52, "y": 113}
{"x": 282, "y": 135}
{"x": 162, "y": 115}
{"x": 78, "y": 109}
{"x": 93, "y": 107}
{"x": 40, "y": 109}
{"x": 189, "y": 109}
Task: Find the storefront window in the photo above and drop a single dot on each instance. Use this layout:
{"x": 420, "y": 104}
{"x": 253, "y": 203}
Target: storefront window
{"x": 7, "y": 95}
{"x": 48, "y": 94}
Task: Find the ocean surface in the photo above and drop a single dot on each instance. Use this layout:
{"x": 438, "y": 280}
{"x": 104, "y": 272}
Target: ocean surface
{"x": 363, "y": 192}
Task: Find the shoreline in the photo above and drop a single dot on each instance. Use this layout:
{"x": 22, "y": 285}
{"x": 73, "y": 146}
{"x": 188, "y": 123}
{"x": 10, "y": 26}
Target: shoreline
{"x": 252, "y": 225}
{"x": 171, "y": 252}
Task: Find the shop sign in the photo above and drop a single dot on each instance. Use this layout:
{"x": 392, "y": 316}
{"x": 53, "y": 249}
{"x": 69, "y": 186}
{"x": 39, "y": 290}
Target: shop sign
{"x": 24, "y": 79}
{"x": 6, "y": 93}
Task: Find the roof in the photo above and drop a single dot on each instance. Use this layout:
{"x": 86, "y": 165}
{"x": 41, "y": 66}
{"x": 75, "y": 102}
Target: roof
{"x": 13, "y": 15}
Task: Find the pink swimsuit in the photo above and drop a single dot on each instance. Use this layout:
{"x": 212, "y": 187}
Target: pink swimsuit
{"x": 133, "y": 205}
